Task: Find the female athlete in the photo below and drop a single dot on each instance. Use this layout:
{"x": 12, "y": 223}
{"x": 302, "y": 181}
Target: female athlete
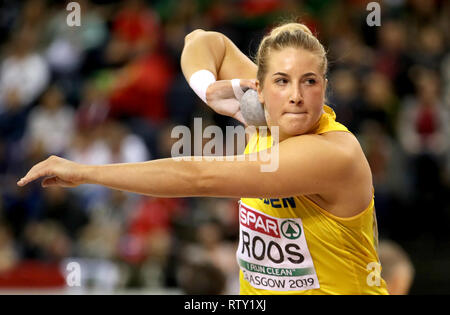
{"x": 307, "y": 227}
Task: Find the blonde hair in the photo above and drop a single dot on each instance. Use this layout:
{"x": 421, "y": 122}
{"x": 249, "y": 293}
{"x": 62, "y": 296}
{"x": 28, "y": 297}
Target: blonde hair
{"x": 295, "y": 35}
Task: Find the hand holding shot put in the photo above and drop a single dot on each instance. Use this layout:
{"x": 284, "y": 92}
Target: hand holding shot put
{"x": 221, "y": 97}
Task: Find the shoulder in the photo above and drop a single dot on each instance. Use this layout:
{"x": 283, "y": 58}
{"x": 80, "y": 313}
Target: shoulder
{"x": 345, "y": 141}
{"x": 318, "y": 164}
{"x": 355, "y": 190}
{"x": 357, "y": 165}
{"x": 338, "y": 149}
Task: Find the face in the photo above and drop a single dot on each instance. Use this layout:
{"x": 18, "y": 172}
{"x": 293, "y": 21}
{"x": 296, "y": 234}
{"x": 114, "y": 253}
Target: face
{"x": 293, "y": 91}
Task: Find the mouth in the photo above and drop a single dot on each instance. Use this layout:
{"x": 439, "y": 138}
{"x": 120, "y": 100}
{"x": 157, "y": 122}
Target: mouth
{"x": 294, "y": 113}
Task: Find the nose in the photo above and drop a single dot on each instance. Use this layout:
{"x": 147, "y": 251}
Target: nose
{"x": 296, "y": 95}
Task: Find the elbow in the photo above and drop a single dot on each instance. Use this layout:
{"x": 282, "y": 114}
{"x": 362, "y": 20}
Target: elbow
{"x": 207, "y": 38}
{"x": 192, "y": 35}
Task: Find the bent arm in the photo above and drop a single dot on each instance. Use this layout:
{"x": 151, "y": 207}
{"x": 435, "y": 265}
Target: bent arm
{"x": 220, "y": 61}
{"x": 215, "y": 52}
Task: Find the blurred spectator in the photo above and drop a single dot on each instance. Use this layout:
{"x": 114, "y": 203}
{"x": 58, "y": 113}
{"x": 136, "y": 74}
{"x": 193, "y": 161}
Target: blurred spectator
{"x": 220, "y": 253}
{"x": 379, "y": 101}
{"x": 137, "y": 26}
{"x": 99, "y": 239}
{"x": 8, "y": 255}
{"x": 391, "y": 58}
{"x": 154, "y": 270}
{"x": 424, "y": 133}
{"x": 430, "y": 47}
{"x": 201, "y": 278}
{"x": 146, "y": 244}
{"x": 141, "y": 88}
{"x": 12, "y": 118}
{"x": 150, "y": 215}
{"x": 105, "y": 143}
{"x": 87, "y": 148}
{"x": 71, "y": 49}
{"x": 111, "y": 142}
{"x": 181, "y": 113}
{"x": 180, "y": 18}
{"x": 397, "y": 269}
{"x": 423, "y": 125}
{"x": 66, "y": 45}
{"x": 24, "y": 73}
{"x": 93, "y": 109}
{"x": 387, "y": 162}
{"x": 420, "y": 13}
{"x": 9, "y": 18}
{"x": 46, "y": 241}
{"x": 211, "y": 235}
{"x": 139, "y": 96}
{"x": 51, "y": 123}
{"x": 124, "y": 146}
{"x": 345, "y": 97}
{"x": 61, "y": 206}
{"x": 33, "y": 15}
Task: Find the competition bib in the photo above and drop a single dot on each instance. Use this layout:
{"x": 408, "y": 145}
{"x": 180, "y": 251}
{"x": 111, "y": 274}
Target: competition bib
{"x": 272, "y": 252}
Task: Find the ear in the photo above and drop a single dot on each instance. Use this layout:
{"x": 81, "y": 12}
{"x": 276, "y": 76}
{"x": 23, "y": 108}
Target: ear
{"x": 259, "y": 90}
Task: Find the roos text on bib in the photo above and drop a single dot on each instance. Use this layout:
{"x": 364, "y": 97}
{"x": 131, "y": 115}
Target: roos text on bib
{"x": 272, "y": 252}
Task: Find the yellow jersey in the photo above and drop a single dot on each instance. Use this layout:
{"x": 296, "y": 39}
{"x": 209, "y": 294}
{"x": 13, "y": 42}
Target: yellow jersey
{"x": 293, "y": 246}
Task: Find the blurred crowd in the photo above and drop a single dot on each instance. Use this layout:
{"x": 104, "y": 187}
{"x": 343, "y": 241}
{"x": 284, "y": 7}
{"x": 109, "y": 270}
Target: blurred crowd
{"x": 111, "y": 90}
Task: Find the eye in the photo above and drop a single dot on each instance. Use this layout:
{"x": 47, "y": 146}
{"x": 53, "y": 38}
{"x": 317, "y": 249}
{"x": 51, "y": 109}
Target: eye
{"x": 281, "y": 81}
{"x": 311, "y": 81}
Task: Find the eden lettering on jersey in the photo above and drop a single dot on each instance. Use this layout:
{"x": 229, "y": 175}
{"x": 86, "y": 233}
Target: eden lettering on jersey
{"x": 280, "y": 202}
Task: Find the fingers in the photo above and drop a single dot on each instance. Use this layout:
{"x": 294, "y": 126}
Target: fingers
{"x": 50, "y": 181}
{"x": 35, "y": 172}
{"x": 39, "y": 170}
{"x": 54, "y": 169}
{"x": 240, "y": 86}
{"x": 56, "y": 181}
{"x": 239, "y": 117}
{"x": 248, "y": 84}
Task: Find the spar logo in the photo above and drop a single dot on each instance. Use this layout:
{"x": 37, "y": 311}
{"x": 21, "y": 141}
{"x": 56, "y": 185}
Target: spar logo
{"x": 258, "y": 222}
{"x": 267, "y": 239}
{"x": 291, "y": 229}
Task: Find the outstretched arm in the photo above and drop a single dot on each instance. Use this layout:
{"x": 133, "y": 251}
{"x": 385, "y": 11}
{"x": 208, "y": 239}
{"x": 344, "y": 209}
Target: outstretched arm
{"x": 308, "y": 172}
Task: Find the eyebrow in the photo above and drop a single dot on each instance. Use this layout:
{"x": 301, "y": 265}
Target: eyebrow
{"x": 286, "y": 75}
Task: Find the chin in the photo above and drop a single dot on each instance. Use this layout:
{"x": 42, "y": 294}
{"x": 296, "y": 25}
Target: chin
{"x": 295, "y": 128}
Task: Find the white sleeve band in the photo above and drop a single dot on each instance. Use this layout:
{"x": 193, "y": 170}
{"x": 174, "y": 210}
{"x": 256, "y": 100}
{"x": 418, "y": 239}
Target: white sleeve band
{"x": 238, "y": 92}
{"x": 200, "y": 81}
